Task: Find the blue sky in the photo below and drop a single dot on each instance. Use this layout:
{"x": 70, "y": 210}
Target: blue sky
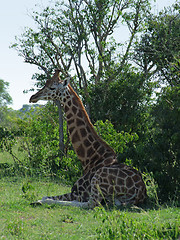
{"x": 13, "y": 18}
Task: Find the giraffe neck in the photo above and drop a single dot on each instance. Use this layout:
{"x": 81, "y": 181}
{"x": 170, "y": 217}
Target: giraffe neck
{"x": 92, "y": 151}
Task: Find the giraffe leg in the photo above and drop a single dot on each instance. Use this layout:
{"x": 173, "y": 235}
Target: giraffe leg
{"x": 78, "y": 196}
{"x": 50, "y": 201}
{"x": 64, "y": 197}
{"x": 56, "y": 200}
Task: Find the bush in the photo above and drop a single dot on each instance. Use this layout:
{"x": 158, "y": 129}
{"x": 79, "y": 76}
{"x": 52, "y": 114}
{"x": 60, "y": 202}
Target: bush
{"x": 117, "y": 140}
{"x": 158, "y": 150}
{"x": 165, "y": 150}
{"x": 37, "y": 138}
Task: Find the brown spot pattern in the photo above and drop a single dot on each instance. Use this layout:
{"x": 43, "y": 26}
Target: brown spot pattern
{"x": 74, "y": 109}
{"x": 69, "y": 122}
{"x": 79, "y": 122}
{"x": 88, "y": 129}
{"x": 75, "y": 137}
{"x": 87, "y": 143}
{"x": 108, "y": 161}
{"x": 96, "y": 145}
{"x": 106, "y": 155}
{"x": 94, "y": 158}
{"x": 101, "y": 150}
{"x": 66, "y": 109}
{"x": 136, "y": 178}
{"x": 91, "y": 139}
{"x": 69, "y": 115}
{"x": 81, "y": 151}
{"x": 90, "y": 152}
{"x": 83, "y": 132}
{"x": 120, "y": 181}
{"x": 74, "y": 102}
{"x": 129, "y": 182}
{"x": 71, "y": 129}
{"x": 80, "y": 114}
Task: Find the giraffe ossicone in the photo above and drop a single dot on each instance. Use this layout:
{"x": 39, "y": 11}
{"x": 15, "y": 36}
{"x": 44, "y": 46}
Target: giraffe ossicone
{"x": 104, "y": 180}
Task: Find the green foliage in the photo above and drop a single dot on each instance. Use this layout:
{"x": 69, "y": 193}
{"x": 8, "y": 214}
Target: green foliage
{"x": 70, "y": 168}
{"x": 165, "y": 148}
{"x": 162, "y": 30}
{"x": 117, "y": 140}
{"x": 8, "y": 117}
{"x": 65, "y": 32}
{"x": 118, "y": 225}
{"x": 5, "y": 98}
{"x": 37, "y": 137}
{"x": 6, "y": 114}
{"x": 152, "y": 190}
{"x": 123, "y": 101}
{"x": 28, "y": 190}
{"x": 7, "y": 139}
{"x": 158, "y": 152}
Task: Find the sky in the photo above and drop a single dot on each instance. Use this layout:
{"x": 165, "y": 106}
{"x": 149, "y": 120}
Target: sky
{"x": 14, "y": 16}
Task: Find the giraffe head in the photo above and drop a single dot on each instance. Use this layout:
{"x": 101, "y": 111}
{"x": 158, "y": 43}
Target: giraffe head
{"x": 53, "y": 89}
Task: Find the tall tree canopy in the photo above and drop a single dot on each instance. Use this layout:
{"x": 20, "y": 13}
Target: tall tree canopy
{"x": 77, "y": 37}
{"x": 158, "y": 55}
{"x": 159, "y": 50}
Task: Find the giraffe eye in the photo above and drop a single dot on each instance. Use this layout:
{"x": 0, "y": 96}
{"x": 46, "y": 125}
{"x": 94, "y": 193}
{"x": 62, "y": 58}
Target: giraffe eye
{"x": 52, "y": 88}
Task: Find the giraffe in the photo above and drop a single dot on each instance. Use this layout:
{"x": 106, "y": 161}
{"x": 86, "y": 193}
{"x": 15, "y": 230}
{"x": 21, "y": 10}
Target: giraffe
{"x": 104, "y": 180}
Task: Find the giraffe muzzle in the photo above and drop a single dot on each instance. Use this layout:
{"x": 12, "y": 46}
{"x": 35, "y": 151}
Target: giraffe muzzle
{"x": 33, "y": 99}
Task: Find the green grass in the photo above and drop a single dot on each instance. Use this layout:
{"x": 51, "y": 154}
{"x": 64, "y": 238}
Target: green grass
{"x": 19, "y": 220}
{"x": 6, "y": 157}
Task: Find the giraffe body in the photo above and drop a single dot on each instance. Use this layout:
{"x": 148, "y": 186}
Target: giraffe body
{"x": 104, "y": 179}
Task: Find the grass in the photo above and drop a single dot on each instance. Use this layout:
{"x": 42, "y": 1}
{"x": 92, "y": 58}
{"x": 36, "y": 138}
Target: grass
{"x": 19, "y": 220}
{"x": 6, "y": 157}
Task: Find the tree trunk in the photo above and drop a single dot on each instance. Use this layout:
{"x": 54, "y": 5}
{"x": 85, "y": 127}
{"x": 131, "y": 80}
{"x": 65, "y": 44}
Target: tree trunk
{"x": 61, "y": 133}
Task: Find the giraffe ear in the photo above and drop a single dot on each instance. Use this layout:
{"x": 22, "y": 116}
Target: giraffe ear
{"x": 66, "y": 82}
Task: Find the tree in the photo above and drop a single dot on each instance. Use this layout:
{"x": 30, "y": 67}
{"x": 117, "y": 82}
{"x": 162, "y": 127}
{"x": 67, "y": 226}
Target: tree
{"x": 125, "y": 102}
{"x": 158, "y": 55}
{"x": 5, "y": 99}
{"x": 165, "y": 148}
{"x": 77, "y": 38}
{"x": 7, "y": 115}
{"x": 159, "y": 49}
